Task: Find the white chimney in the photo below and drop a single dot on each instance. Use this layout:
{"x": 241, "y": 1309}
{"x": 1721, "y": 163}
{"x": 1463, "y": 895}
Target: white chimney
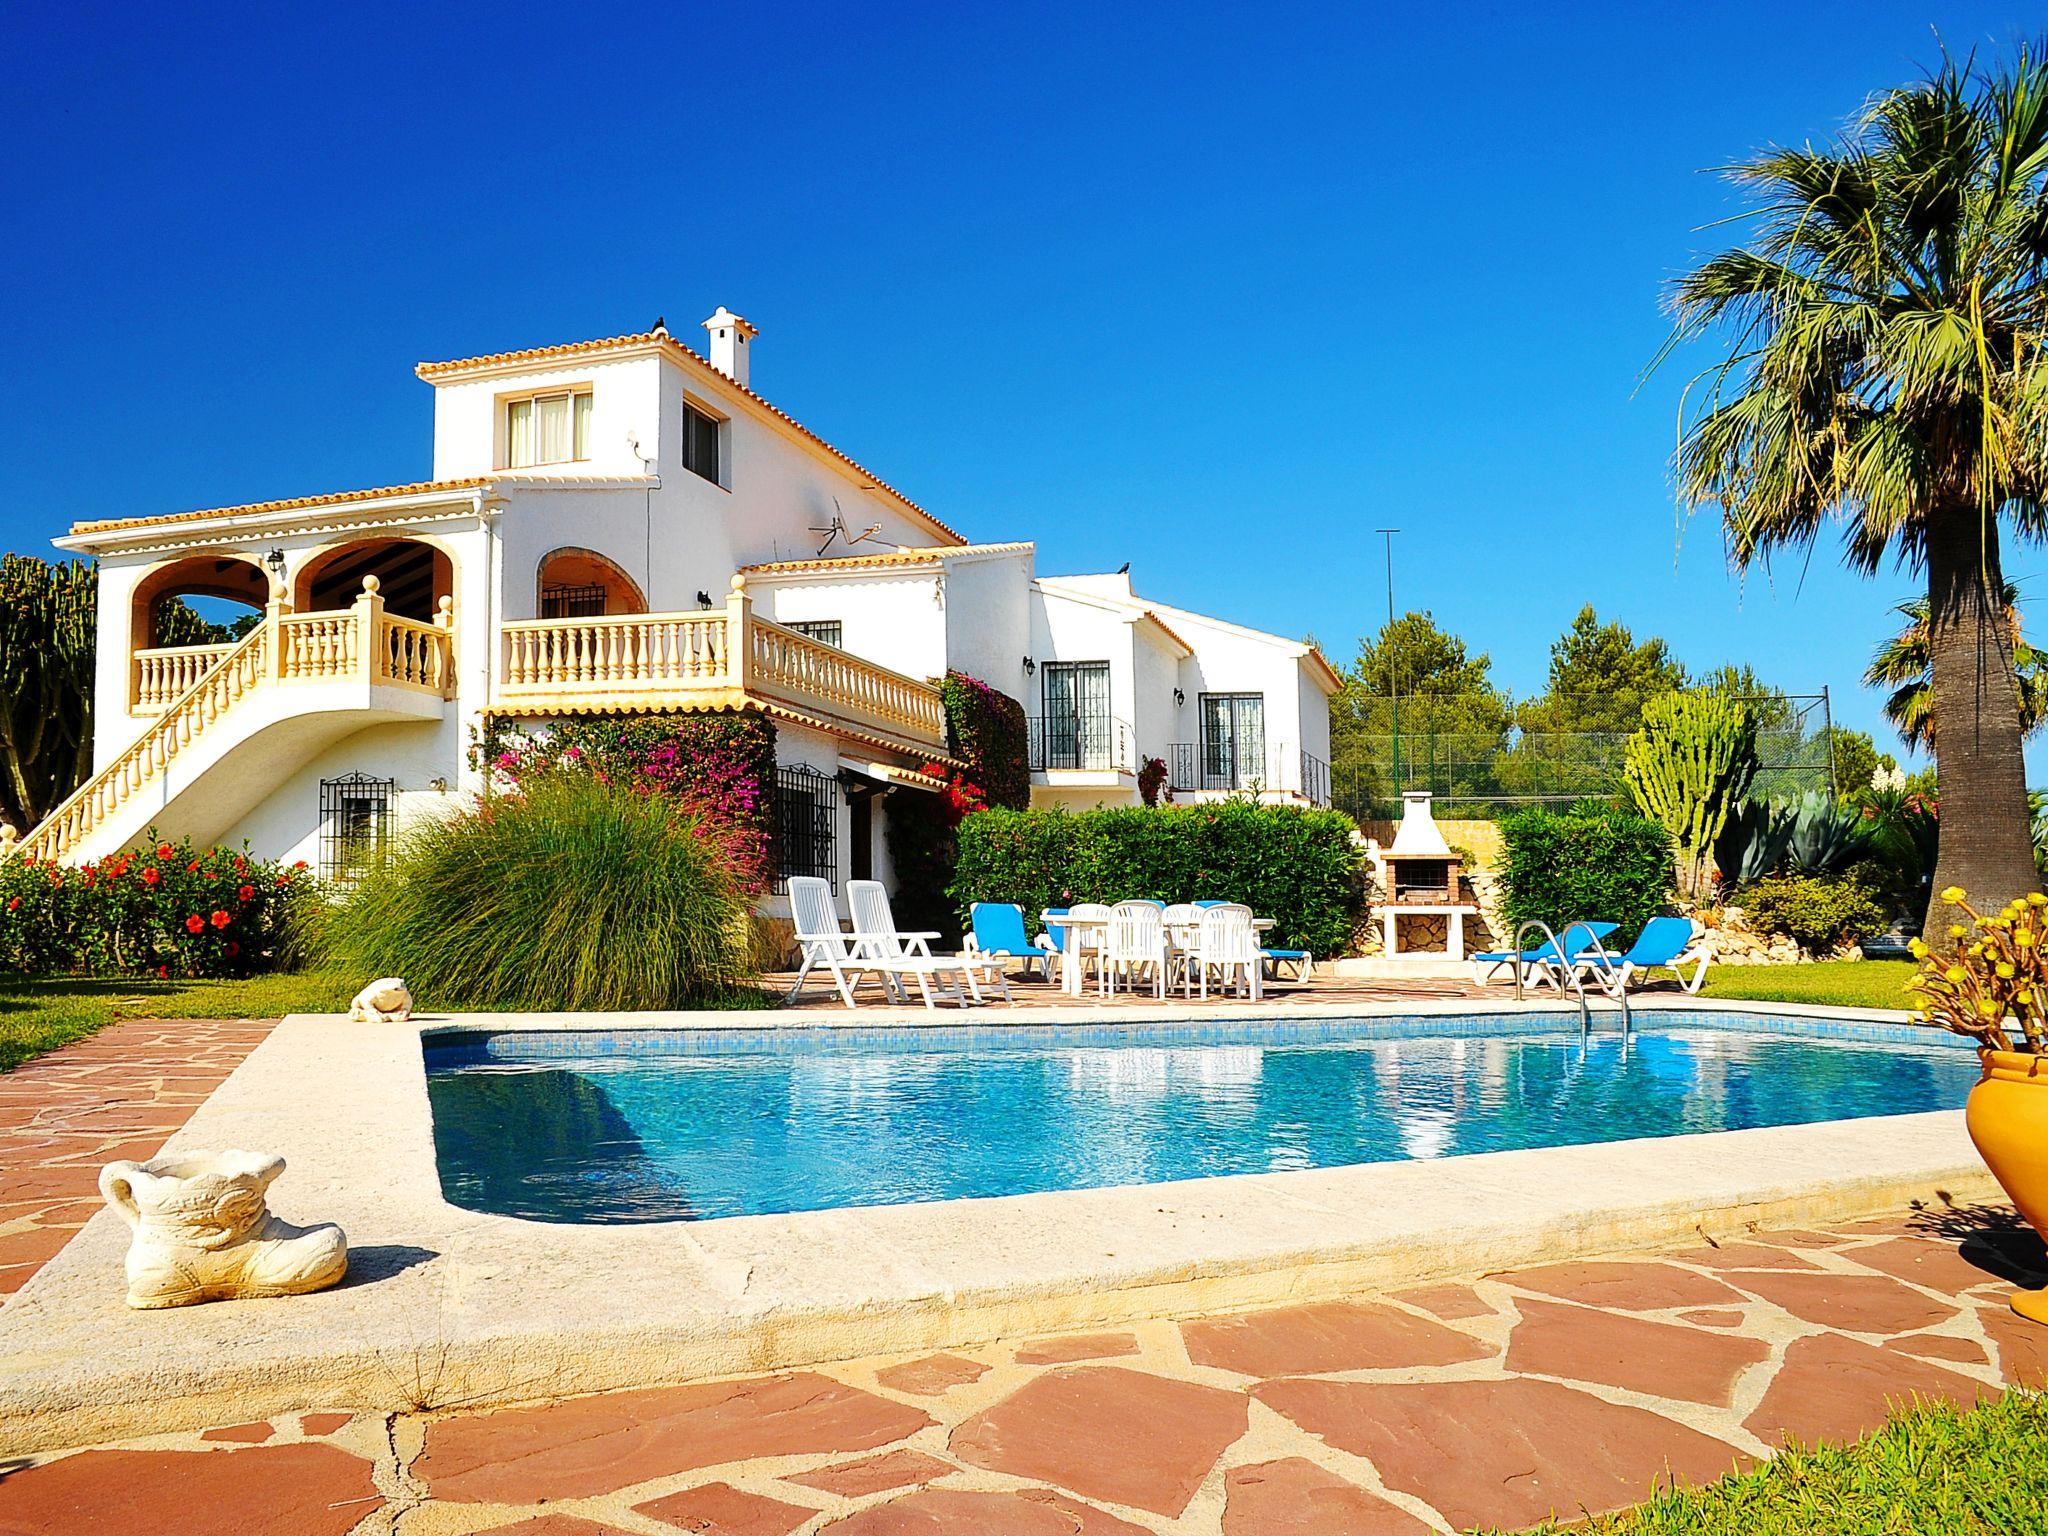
{"x": 731, "y": 343}
{"x": 1418, "y": 832}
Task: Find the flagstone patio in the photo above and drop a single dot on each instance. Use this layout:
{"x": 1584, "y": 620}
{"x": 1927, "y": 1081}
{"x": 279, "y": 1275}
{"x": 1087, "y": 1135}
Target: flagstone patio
{"x": 1559, "y": 1388}
{"x": 116, "y": 1094}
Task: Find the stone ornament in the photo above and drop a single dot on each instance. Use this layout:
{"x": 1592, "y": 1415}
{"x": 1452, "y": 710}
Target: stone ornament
{"x": 387, "y": 1000}
{"x": 204, "y": 1232}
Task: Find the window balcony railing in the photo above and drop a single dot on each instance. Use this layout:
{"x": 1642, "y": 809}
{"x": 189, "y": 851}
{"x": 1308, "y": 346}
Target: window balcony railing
{"x": 1091, "y": 743}
{"x": 1221, "y": 766}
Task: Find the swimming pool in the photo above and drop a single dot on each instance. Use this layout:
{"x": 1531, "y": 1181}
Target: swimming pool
{"x": 643, "y": 1125}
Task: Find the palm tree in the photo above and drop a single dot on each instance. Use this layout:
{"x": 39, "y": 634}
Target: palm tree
{"x": 1901, "y": 665}
{"x": 1884, "y": 327}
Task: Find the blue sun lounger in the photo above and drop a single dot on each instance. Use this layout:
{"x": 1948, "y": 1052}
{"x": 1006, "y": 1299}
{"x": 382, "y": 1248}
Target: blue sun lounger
{"x": 1542, "y": 962}
{"x": 1666, "y": 943}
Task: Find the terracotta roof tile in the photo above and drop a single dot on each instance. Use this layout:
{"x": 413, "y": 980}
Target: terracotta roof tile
{"x": 925, "y": 554}
{"x": 287, "y": 504}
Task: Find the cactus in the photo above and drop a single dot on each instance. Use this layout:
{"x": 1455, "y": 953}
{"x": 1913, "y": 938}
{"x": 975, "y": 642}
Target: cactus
{"x": 1689, "y": 766}
{"x": 46, "y": 681}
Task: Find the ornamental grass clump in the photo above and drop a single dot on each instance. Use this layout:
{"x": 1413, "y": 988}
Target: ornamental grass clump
{"x": 571, "y": 894}
{"x": 1995, "y": 981}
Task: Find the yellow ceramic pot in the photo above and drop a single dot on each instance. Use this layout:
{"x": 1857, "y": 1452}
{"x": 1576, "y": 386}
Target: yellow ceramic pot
{"x": 2008, "y": 1119}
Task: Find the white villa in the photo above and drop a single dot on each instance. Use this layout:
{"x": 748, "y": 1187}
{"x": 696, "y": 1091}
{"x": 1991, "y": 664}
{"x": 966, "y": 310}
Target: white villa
{"x": 621, "y": 526}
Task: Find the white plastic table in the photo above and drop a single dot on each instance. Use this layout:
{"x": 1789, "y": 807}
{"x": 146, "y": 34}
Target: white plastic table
{"x": 1093, "y": 933}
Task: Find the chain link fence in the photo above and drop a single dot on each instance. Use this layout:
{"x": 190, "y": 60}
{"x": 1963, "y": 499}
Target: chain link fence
{"x": 1480, "y": 757}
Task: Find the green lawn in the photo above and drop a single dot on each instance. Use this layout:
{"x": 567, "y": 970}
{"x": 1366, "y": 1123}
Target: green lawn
{"x": 40, "y": 1015}
{"x": 1934, "y": 1471}
{"x": 1844, "y": 983}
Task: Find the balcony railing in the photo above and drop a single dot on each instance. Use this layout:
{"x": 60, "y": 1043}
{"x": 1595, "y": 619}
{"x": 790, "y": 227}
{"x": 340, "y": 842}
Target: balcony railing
{"x": 169, "y": 672}
{"x": 1216, "y": 766}
{"x": 723, "y": 656}
{"x": 1091, "y": 743}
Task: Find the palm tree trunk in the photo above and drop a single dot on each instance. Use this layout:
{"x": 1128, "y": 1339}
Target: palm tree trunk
{"x": 1986, "y": 846}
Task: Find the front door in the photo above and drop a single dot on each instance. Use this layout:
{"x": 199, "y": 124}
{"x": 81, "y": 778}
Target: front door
{"x": 1077, "y": 714}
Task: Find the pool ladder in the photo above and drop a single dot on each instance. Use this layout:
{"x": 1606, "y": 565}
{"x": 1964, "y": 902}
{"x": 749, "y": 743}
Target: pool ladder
{"x": 1570, "y": 973}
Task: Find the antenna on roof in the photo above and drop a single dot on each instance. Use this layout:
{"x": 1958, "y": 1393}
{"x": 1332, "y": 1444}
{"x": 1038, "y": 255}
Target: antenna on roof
{"x": 836, "y": 529}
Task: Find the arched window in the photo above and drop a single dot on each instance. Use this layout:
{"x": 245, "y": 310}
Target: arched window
{"x": 572, "y": 583}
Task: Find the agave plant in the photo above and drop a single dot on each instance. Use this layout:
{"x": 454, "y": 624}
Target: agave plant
{"x": 1756, "y": 842}
{"x": 1827, "y": 836}
{"x": 1813, "y": 835}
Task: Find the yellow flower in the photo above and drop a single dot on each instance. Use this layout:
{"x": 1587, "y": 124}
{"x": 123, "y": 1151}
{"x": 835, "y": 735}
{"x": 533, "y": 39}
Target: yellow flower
{"x": 1955, "y": 973}
{"x": 2005, "y": 973}
{"x": 1953, "y": 894}
{"x": 1988, "y": 1008}
{"x": 2036, "y": 899}
{"x": 1918, "y": 949}
{"x": 1958, "y": 931}
{"x": 2023, "y": 936}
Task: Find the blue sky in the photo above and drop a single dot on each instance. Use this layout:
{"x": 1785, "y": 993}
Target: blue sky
{"x": 1216, "y": 291}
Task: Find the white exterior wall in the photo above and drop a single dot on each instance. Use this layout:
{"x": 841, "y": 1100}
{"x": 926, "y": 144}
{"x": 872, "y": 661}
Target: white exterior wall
{"x": 1231, "y": 659}
{"x": 469, "y": 417}
{"x": 988, "y": 620}
{"x": 894, "y": 617}
{"x": 1155, "y": 673}
{"x": 286, "y": 823}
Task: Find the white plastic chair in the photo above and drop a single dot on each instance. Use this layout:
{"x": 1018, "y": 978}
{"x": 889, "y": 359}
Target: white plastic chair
{"x": 823, "y": 943}
{"x": 1228, "y": 944}
{"x": 1087, "y": 933}
{"x": 1182, "y": 921}
{"x": 1137, "y": 942}
{"x": 877, "y": 938}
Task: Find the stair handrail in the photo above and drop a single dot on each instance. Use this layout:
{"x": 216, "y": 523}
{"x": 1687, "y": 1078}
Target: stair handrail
{"x": 152, "y": 750}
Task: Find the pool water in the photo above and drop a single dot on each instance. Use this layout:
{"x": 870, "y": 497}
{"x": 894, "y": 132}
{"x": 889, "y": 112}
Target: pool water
{"x": 633, "y": 1126}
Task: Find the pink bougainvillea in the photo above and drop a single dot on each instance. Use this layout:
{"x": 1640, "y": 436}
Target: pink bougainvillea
{"x": 716, "y": 768}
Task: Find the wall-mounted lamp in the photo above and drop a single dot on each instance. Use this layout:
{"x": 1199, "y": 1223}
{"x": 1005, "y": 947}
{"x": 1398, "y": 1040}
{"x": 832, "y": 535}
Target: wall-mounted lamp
{"x": 275, "y": 560}
{"x": 1030, "y": 665}
{"x": 439, "y": 783}
{"x": 1180, "y": 697}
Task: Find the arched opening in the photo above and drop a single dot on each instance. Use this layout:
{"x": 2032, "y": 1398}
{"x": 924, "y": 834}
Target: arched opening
{"x": 412, "y": 577}
{"x": 576, "y": 583}
{"x": 200, "y": 600}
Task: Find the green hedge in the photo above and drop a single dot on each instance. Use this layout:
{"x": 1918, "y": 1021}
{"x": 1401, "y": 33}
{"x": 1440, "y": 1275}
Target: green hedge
{"x": 1584, "y": 865}
{"x": 1302, "y": 868}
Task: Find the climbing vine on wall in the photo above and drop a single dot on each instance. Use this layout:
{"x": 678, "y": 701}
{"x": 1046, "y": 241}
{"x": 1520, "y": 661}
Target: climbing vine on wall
{"x": 988, "y": 735}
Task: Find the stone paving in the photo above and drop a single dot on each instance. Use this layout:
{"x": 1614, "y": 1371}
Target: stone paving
{"x": 1564, "y": 1387}
{"x": 118, "y": 1094}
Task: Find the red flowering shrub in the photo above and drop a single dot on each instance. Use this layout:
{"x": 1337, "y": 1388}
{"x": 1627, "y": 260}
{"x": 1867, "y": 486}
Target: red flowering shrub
{"x": 160, "y": 910}
{"x": 718, "y": 769}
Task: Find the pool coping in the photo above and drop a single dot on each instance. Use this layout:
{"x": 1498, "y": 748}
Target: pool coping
{"x": 448, "y": 1306}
